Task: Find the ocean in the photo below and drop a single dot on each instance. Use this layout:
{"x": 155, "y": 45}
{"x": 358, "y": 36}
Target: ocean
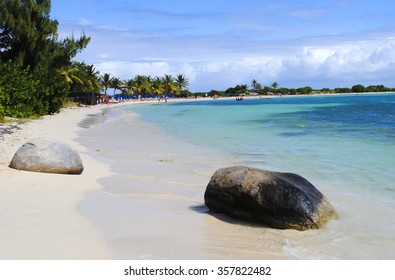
{"x": 162, "y": 156}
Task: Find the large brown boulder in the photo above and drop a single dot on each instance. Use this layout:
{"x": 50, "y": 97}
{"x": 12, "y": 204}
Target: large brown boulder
{"x": 279, "y": 200}
{"x": 44, "y": 155}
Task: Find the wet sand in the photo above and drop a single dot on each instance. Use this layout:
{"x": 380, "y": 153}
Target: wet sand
{"x": 152, "y": 206}
{"x": 141, "y": 196}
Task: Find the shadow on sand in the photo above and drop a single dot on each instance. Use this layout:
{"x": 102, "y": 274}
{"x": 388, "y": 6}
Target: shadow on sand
{"x": 203, "y": 209}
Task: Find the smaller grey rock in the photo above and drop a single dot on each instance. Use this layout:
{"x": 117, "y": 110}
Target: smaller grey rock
{"x": 47, "y": 156}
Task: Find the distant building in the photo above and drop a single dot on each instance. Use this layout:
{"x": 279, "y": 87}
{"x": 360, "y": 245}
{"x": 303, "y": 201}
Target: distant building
{"x": 86, "y": 98}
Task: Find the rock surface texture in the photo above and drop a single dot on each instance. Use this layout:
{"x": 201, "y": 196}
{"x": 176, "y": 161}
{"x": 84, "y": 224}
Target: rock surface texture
{"x": 44, "y": 155}
{"x": 279, "y": 200}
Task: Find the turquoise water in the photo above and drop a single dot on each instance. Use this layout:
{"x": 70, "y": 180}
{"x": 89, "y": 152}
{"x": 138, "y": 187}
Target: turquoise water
{"x": 342, "y": 140}
{"x": 163, "y": 157}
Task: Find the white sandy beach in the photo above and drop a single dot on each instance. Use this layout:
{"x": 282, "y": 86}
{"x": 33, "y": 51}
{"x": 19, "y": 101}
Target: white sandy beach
{"x": 38, "y": 215}
{"x": 152, "y": 205}
{"x": 39, "y": 218}
{"x": 153, "y": 208}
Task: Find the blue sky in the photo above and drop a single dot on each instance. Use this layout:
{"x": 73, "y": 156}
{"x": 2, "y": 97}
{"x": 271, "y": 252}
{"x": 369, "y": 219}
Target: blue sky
{"x": 221, "y": 43}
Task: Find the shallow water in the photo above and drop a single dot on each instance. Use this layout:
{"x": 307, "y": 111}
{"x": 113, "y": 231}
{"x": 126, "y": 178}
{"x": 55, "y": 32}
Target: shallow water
{"x": 162, "y": 159}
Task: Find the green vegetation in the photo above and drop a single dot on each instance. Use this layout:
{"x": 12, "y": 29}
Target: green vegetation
{"x": 239, "y": 89}
{"x": 2, "y": 96}
{"x": 19, "y": 91}
{"x": 33, "y": 60}
{"x": 142, "y": 85}
{"x": 257, "y": 89}
{"x": 82, "y": 77}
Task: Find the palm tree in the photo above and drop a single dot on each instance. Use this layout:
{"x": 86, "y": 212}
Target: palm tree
{"x": 89, "y": 77}
{"x": 157, "y": 86}
{"x": 254, "y": 84}
{"x": 258, "y": 88}
{"x": 182, "y": 82}
{"x": 70, "y": 75}
{"x": 142, "y": 84}
{"x": 115, "y": 83}
{"x": 106, "y": 81}
{"x": 92, "y": 76}
{"x": 168, "y": 84}
{"x": 128, "y": 86}
{"x": 147, "y": 84}
{"x": 138, "y": 84}
{"x": 274, "y": 85}
{"x": 239, "y": 89}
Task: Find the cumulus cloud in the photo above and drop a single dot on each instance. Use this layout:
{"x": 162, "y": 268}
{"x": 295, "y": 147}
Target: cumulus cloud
{"x": 349, "y": 61}
{"x": 129, "y": 69}
{"x": 235, "y": 48}
{"x": 323, "y": 66}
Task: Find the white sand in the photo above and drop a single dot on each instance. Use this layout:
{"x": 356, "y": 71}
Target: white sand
{"x": 38, "y": 214}
{"x": 38, "y": 211}
{"x": 152, "y": 207}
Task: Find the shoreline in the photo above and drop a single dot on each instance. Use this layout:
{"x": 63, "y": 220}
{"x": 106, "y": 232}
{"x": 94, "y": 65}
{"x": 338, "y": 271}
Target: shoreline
{"x": 152, "y": 205}
{"x": 48, "y": 216}
{"x": 38, "y": 213}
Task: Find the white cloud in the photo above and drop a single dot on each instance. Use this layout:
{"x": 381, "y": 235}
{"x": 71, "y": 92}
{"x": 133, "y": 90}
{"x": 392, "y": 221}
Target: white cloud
{"x": 217, "y": 46}
{"x": 318, "y": 62}
{"x": 322, "y": 66}
{"x": 355, "y": 59}
{"x": 85, "y": 22}
{"x": 128, "y": 69}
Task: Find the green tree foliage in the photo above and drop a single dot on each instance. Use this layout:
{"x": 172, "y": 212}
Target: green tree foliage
{"x": 169, "y": 85}
{"x": 82, "y": 77}
{"x": 29, "y": 36}
{"x": 128, "y": 86}
{"x": 342, "y": 90}
{"x": 358, "y": 88}
{"x": 105, "y": 81}
{"x": 236, "y": 90}
{"x": 256, "y": 87}
{"x": 52, "y": 91}
{"x": 283, "y": 90}
{"x": 267, "y": 89}
{"x": 182, "y": 82}
{"x": 29, "y": 39}
{"x": 254, "y": 84}
{"x": 377, "y": 88}
{"x": 26, "y": 94}
{"x": 157, "y": 86}
{"x": 70, "y": 75}
{"x": 211, "y": 93}
{"x": 115, "y": 83}
{"x": 2, "y": 98}
{"x": 305, "y": 90}
{"x": 142, "y": 84}
{"x": 19, "y": 91}
{"x": 274, "y": 86}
